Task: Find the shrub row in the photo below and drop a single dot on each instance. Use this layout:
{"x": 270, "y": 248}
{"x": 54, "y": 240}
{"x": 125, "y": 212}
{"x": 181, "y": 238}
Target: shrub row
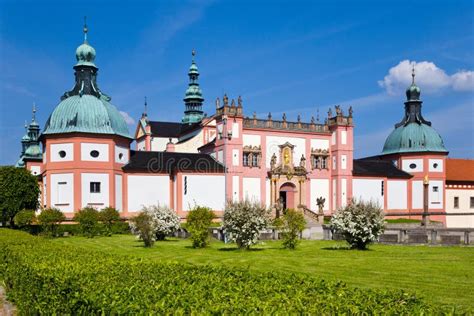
{"x": 75, "y": 229}
{"x": 43, "y": 277}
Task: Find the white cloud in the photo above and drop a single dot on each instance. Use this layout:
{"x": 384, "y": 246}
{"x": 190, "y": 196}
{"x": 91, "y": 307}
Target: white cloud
{"x": 463, "y": 80}
{"x": 429, "y": 77}
{"x": 128, "y": 119}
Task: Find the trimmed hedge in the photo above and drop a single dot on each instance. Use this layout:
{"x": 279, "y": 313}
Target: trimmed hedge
{"x": 43, "y": 277}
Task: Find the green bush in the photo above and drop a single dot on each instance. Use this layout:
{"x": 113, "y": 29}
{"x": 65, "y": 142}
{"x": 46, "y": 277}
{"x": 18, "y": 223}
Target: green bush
{"x": 49, "y": 219}
{"x": 25, "y": 218}
{"x": 144, "y": 227}
{"x": 44, "y": 277}
{"x": 88, "y": 220}
{"x": 198, "y": 221}
{"x": 108, "y": 217}
{"x": 360, "y": 223}
{"x": 291, "y": 224}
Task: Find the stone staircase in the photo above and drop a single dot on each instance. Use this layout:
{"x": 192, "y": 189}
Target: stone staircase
{"x": 314, "y": 228}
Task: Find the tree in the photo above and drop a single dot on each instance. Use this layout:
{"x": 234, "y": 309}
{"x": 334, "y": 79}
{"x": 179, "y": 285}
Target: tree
{"x": 166, "y": 221}
{"x": 109, "y": 216}
{"x": 18, "y": 190}
{"x": 243, "y": 222}
{"x": 49, "y": 219}
{"x": 291, "y": 224}
{"x": 360, "y": 223}
{"x": 197, "y": 223}
{"x": 88, "y": 218}
{"x": 144, "y": 227}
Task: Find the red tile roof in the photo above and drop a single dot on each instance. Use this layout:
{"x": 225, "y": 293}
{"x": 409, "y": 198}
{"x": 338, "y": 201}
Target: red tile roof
{"x": 460, "y": 170}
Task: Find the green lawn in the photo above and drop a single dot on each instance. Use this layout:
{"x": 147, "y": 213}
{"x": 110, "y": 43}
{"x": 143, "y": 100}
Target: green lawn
{"x": 442, "y": 275}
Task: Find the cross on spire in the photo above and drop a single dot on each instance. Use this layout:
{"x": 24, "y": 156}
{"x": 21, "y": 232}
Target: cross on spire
{"x": 85, "y": 29}
{"x": 193, "y": 53}
{"x": 33, "y": 118}
{"x": 413, "y": 73}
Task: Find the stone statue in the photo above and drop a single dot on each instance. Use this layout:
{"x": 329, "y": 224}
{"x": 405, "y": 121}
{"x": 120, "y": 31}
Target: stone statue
{"x": 350, "y": 111}
{"x": 299, "y": 118}
{"x": 303, "y": 162}
{"x": 320, "y": 202}
{"x": 284, "y": 117}
{"x": 273, "y": 161}
{"x": 312, "y": 120}
{"x": 233, "y": 103}
{"x": 239, "y": 101}
{"x": 225, "y": 99}
{"x": 338, "y": 110}
{"x": 330, "y": 113}
{"x": 254, "y": 115}
{"x": 218, "y": 103}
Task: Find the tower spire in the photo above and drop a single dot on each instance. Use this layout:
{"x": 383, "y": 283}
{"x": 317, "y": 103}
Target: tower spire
{"x": 193, "y": 97}
{"x": 145, "y": 109}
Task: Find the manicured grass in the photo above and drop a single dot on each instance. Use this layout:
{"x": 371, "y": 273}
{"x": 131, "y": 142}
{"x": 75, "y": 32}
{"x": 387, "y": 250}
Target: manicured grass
{"x": 442, "y": 275}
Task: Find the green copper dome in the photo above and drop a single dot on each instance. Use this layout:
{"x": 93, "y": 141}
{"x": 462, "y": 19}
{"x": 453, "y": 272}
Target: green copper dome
{"x": 34, "y": 151}
{"x": 413, "y": 137}
{"x": 86, "y": 114}
{"x": 85, "y": 55}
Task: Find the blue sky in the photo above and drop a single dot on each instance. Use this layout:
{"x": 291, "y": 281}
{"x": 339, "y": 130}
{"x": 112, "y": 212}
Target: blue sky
{"x": 281, "y": 56}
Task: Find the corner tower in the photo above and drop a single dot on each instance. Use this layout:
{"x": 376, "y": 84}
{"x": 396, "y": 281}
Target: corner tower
{"x": 193, "y": 98}
{"x": 86, "y": 143}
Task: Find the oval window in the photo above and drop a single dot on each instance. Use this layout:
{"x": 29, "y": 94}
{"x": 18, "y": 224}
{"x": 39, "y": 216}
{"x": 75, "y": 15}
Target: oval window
{"x": 94, "y": 153}
{"x": 435, "y": 165}
{"x": 120, "y": 156}
{"x": 412, "y": 166}
{"x": 62, "y": 154}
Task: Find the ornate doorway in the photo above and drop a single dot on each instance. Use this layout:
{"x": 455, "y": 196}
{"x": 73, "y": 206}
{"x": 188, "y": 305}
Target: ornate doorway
{"x": 287, "y": 195}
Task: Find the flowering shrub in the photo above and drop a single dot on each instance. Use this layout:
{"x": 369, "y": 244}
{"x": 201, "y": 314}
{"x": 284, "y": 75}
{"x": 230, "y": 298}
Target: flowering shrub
{"x": 291, "y": 224}
{"x": 198, "y": 221}
{"x": 360, "y": 223}
{"x": 243, "y": 222}
{"x": 162, "y": 220}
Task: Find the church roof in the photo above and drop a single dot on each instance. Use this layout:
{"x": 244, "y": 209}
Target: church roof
{"x": 167, "y": 162}
{"x": 460, "y": 170}
{"x": 171, "y": 129}
{"x": 86, "y": 114}
{"x": 374, "y": 167}
{"x": 413, "y": 137}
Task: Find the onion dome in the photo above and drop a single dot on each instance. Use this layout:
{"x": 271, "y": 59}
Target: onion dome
{"x": 85, "y": 109}
{"x": 193, "y": 96}
{"x": 413, "y": 138}
{"x": 413, "y": 133}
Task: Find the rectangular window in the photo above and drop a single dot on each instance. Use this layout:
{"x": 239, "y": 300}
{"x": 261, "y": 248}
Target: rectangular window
{"x": 95, "y": 187}
{"x": 245, "y": 158}
{"x": 185, "y": 185}
{"x": 471, "y": 204}
{"x": 456, "y": 202}
{"x": 255, "y": 160}
{"x": 324, "y": 163}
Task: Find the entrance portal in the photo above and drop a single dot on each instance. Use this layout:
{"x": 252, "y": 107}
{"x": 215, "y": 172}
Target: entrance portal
{"x": 287, "y": 195}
